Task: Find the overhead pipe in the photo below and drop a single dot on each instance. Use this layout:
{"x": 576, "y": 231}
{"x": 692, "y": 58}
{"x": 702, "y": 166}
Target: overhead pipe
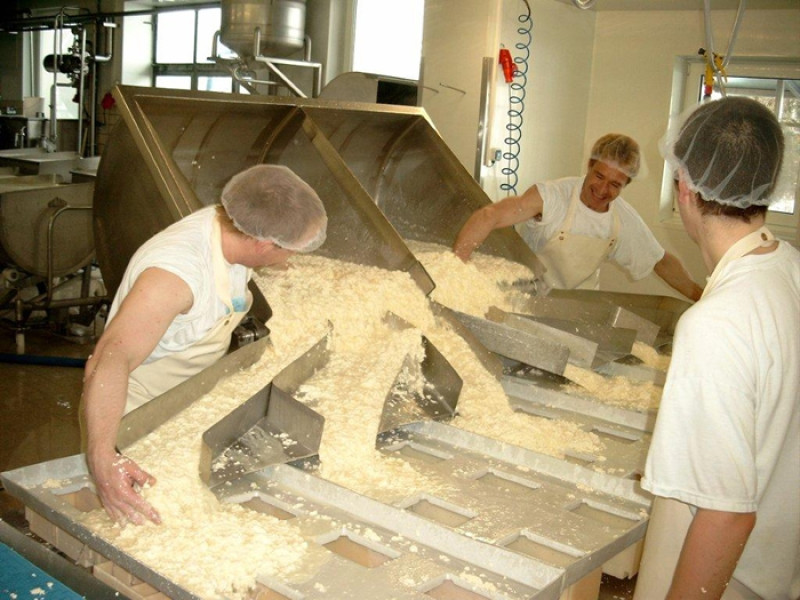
{"x": 718, "y": 69}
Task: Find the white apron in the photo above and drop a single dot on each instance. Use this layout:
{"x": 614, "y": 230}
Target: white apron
{"x": 573, "y": 260}
{"x": 669, "y": 518}
{"x": 150, "y": 380}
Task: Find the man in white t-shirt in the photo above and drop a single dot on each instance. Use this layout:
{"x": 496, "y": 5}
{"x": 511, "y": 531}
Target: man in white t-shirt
{"x": 724, "y": 461}
{"x": 183, "y": 293}
{"x": 575, "y": 224}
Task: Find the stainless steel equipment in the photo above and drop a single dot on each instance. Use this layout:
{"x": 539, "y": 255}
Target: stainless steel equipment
{"x": 46, "y": 246}
{"x": 524, "y": 524}
{"x": 45, "y": 225}
{"x": 529, "y": 524}
{"x": 423, "y": 391}
{"x": 383, "y": 173}
{"x": 255, "y": 435}
{"x": 282, "y": 24}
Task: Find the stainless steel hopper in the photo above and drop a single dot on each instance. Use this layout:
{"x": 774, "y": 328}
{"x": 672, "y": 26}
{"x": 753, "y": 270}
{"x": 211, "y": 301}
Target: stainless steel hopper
{"x": 561, "y": 307}
{"x": 421, "y": 391}
{"x": 382, "y": 171}
{"x": 269, "y": 428}
{"x": 664, "y": 311}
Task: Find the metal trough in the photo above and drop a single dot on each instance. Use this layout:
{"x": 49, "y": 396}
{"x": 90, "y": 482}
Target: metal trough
{"x": 383, "y": 173}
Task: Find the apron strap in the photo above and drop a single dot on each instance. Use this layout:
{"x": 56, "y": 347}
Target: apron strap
{"x": 759, "y": 238}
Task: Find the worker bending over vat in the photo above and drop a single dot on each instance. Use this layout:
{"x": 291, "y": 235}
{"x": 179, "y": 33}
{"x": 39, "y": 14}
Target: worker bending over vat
{"x": 182, "y": 294}
{"x": 724, "y": 461}
{"x": 575, "y": 224}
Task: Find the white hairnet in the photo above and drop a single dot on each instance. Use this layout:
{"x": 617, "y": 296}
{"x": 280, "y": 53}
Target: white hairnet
{"x": 618, "y": 151}
{"x": 270, "y": 202}
{"x": 729, "y": 151}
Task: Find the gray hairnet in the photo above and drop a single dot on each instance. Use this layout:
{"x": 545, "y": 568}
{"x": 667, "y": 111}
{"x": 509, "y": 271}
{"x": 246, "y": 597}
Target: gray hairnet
{"x": 618, "y": 151}
{"x": 729, "y": 151}
{"x": 270, "y": 202}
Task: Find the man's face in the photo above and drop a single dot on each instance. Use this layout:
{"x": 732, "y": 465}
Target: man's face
{"x": 602, "y": 185}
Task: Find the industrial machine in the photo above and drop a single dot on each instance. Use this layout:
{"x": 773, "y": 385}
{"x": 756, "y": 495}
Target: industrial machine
{"x": 47, "y": 247}
{"x": 385, "y": 177}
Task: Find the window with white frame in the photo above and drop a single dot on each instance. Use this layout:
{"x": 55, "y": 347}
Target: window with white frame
{"x": 55, "y": 85}
{"x": 388, "y": 37}
{"x": 183, "y": 59}
{"x": 776, "y": 84}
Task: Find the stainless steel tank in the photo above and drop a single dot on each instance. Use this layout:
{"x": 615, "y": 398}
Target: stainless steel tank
{"x": 382, "y": 171}
{"x": 43, "y": 220}
{"x": 281, "y": 24}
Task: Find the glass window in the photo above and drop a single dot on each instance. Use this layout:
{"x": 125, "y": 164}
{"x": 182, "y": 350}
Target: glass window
{"x": 208, "y": 23}
{"x": 777, "y": 86}
{"x": 184, "y": 43}
{"x": 66, "y": 89}
{"x": 782, "y": 96}
{"x": 388, "y": 37}
{"x": 174, "y": 82}
{"x": 175, "y": 37}
{"x": 215, "y": 84}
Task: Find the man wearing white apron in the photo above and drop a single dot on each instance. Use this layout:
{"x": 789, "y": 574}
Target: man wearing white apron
{"x": 724, "y": 461}
{"x": 183, "y": 293}
{"x": 575, "y": 224}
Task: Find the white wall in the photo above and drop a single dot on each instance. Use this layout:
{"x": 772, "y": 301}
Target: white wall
{"x": 632, "y": 70}
{"x": 457, "y": 36}
{"x": 556, "y": 94}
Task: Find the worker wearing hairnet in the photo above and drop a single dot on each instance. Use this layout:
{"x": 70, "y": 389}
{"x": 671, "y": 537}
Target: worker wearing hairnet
{"x": 724, "y": 461}
{"x": 575, "y": 224}
{"x": 183, "y": 293}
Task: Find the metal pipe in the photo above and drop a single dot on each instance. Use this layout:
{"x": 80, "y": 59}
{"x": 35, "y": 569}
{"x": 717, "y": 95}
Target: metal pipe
{"x": 52, "y": 139}
{"x": 39, "y": 23}
{"x": 19, "y": 319}
{"x": 50, "y": 243}
{"x": 81, "y": 85}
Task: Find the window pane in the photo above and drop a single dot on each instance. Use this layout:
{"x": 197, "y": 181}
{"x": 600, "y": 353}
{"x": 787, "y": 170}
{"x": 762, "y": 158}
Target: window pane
{"x": 175, "y": 82}
{"x": 208, "y": 23}
{"x": 66, "y": 107}
{"x": 786, "y": 191}
{"x": 388, "y": 39}
{"x": 768, "y": 92}
{"x": 215, "y": 84}
{"x": 175, "y": 42}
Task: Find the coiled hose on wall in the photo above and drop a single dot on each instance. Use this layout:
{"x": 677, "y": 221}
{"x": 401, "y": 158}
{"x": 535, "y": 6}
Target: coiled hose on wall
{"x": 516, "y": 103}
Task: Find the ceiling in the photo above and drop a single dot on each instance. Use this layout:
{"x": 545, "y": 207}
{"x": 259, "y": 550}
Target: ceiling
{"x": 603, "y": 5}
{"x": 599, "y": 5}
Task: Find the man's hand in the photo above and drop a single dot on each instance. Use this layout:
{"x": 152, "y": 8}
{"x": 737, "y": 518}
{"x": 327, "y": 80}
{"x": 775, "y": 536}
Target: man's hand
{"x": 118, "y": 482}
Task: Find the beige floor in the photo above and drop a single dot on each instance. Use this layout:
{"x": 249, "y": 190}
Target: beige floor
{"x": 39, "y": 418}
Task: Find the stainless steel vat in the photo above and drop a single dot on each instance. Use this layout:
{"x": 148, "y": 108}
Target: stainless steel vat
{"x": 281, "y": 24}
{"x": 41, "y": 220}
{"x": 383, "y": 173}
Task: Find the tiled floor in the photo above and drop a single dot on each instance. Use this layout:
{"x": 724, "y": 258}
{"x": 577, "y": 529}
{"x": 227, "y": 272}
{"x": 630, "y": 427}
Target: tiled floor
{"x": 38, "y": 404}
{"x": 39, "y": 417}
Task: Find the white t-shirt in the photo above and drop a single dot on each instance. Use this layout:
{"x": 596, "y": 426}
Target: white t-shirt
{"x": 184, "y": 249}
{"x": 727, "y": 435}
{"x": 636, "y": 250}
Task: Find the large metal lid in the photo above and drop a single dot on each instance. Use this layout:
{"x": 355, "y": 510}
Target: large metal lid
{"x": 382, "y": 171}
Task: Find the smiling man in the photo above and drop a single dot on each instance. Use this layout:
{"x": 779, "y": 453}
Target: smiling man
{"x": 575, "y": 224}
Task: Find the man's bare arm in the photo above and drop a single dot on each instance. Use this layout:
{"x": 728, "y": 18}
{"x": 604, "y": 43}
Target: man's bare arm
{"x": 155, "y": 300}
{"x": 672, "y": 271}
{"x": 713, "y": 546}
{"x": 505, "y": 213}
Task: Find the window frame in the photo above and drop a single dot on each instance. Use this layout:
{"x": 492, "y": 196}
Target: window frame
{"x": 686, "y": 94}
{"x": 194, "y": 70}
